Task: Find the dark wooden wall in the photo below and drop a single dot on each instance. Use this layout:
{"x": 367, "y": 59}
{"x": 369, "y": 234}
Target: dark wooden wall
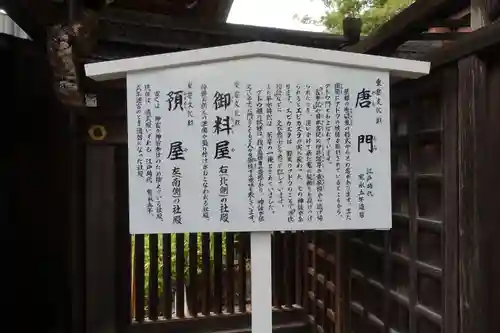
{"x": 406, "y": 279}
{"x": 35, "y": 168}
{"x": 436, "y": 270}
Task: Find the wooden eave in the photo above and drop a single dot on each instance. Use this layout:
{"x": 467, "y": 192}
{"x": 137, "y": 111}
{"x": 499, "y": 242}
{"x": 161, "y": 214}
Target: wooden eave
{"x": 125, "y": 34}
{"x": 198, "y": 10}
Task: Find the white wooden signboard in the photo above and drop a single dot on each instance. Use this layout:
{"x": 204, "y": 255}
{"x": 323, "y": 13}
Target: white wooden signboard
{"x": 258, "y": 137}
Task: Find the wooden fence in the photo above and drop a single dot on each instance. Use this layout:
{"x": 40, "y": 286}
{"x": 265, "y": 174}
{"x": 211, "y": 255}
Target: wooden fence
{"x": 191, "y": 275}
{"x": 170, "y": 280}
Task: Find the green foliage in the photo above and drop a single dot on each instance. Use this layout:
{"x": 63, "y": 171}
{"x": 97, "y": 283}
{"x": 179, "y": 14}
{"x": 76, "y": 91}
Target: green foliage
{"x": 373, "y": 13}
{"x": 173, "y": 251}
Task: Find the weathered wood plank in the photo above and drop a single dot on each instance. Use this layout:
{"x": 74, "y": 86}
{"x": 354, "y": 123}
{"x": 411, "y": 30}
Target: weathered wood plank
{"x": 494, "y": 176}
{"x": 179, "y": 277}
{"x": 167, "y": 276}
{"x": 193, "y": 274}
{"x": 123, "y": 241}
{"x": 473, "y": 201}
{"x": 163, "y": 31}
{"x": 139, "y": 277}
{"x": 478, "y": 41}
{"x": 100, "y": 238}
{"x": 153, "y": 278}
{"x": 413, "y": 212}
{"x": 450, "y": 199}
{"x": 230, "y": 278}
{"x": 218, "y": 281}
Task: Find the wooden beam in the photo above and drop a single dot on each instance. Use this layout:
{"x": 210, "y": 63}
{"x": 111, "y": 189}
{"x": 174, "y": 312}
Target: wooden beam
{"x": 439, "y": 36}
{"x": 393, "y": 33}
{"x": 125, "y": 34}
{"x": 238, "y": 322}
{"x": 452, "y": 23}
{"x": 163, "y": 31}
{"x": 477, "y": 41}
{"x": 208, "y": 11}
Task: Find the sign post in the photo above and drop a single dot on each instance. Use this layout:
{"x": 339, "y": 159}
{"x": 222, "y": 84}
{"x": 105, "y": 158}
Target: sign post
{"x": 258, "y": 137}
{"x": 261, "y": 281}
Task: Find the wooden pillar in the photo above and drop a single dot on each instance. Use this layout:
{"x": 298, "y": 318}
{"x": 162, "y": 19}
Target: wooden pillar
{"x": 494, "y": 223}
{"x": 450, "y": 196}
{"x": 71, "y": 154}
{"x": 100, "y": 239}
{"x": 478, "y": 168}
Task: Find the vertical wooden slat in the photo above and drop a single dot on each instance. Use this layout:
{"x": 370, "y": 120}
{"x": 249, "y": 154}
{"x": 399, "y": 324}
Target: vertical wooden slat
{"x": 314, "y": 280}
{"x": 279, "y": 269}
{"x": 100, "y": 238}
{"x": 413, "y": 188}
{"x": 288, "y": 258}
{"x": 139, "y": 277}
{"x": 363, "y": 291}
{"x": 193, "y": 274}
{"x": 386, "y": 278}
{"x": 475, "y": 193}
{"x": 299, "y": 268}
{"x": 217, "y": 272}
{"x": 494, "y": 176}
{"x": 167, "y": 276}
{"x": 450, "y": 237}
{"x": 205, "y": 253}
{"x": 242, "y": 279}
{"x": 274, "y": 274}
{"x": 179, "y": 278}
{"x": 153, "y": 278}
{"x": 321, "y": 286}
{"x": 346, "y": 261}
{"x": 75, "y": 183}
{"x": 331, "y": 272}
{"x": 340, "y": 286}
{"x": 123, "y": 252}
{"x": 307, "y": 278}
{"x": 230, "y": 272}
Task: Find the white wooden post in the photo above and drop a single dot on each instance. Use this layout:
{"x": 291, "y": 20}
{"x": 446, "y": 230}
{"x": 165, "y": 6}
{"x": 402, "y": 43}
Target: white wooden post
{"x": 262, "y": 314}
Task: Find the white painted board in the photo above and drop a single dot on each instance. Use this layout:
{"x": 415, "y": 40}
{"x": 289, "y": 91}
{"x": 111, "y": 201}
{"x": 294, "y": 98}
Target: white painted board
{"x": 309, "y": 147}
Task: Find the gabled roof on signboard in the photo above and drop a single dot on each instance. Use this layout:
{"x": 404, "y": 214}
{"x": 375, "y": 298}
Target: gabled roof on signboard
{"x": 117, "y": 69}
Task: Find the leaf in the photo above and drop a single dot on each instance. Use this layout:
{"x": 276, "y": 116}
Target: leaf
{"x": 373, "y": 13}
